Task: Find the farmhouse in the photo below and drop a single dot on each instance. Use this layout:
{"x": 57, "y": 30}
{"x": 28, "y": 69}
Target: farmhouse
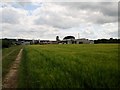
{"x": 66, "y": 40}
{"x": 72, "y": 40}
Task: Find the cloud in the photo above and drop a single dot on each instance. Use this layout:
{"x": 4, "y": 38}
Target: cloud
{"x": 106, "y": 9}
{"x": 11, "y": 15}
{"x": 54, "y": 15}
{"x": 71, "y": 14}
{"x": 47, "y": 20}
{"x": 62, "y": 22}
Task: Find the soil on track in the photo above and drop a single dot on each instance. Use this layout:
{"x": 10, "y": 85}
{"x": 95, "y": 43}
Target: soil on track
{"x": 10, "y": 80}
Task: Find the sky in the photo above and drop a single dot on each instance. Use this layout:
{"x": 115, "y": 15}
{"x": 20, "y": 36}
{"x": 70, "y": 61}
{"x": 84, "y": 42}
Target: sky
{"x": 46, "y": 20}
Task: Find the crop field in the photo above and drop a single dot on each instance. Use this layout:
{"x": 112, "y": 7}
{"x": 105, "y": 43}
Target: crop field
{"x": 8, "y": 56}
{"x": 69, "y": 66}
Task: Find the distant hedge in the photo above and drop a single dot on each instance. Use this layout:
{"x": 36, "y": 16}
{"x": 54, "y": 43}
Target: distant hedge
{"x": 0, "y": 43}
{"x": 6, "y": 43}
{"x": 111, "y": 40}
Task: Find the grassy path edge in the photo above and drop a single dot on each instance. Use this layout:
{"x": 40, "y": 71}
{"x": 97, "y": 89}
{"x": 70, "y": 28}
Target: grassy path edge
{"x": 10, "y": 80}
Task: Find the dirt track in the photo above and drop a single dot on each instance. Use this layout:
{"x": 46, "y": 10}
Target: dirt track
{"x": 10, "y": 80}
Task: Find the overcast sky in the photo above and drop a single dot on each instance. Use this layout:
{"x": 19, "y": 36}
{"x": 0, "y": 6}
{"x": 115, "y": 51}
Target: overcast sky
{"x": 47, "y": 20}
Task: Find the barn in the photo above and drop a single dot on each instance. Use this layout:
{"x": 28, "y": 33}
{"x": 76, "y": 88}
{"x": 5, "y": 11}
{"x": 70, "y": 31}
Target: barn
{"x": 72, "y": 40}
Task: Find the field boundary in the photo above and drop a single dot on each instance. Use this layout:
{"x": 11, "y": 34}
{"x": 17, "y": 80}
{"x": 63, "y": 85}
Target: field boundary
{"x": 7, "y": 54}
{"x": 10, "y": 80}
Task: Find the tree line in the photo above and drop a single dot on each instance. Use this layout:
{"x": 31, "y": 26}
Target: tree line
{"x": 111, "y": 40}
{"x": 6, "y": 43}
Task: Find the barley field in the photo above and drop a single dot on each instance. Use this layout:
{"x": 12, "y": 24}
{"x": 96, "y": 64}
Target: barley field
{"x": 69, "y": 66}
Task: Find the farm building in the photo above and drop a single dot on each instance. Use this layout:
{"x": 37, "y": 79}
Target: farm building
{"x": 66, "y": 40}
{"x": 72, "y": 40}
{"x": 47, "y": 42}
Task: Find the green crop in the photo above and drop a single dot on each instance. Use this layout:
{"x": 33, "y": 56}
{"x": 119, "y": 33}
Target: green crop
{"x": 69, "y": 66}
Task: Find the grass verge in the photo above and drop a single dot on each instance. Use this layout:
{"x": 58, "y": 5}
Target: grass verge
{"x": 8, "y": 56}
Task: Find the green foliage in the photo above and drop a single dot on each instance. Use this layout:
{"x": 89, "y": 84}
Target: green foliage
{"x": 0, "y": 44}
{"x": 6, "y": 43}
{"x": 69, "y": 66}
{"x": 111, "y": 40}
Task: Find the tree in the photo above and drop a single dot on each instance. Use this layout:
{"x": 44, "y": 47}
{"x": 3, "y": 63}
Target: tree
{"x": 6, "y": 43}
{"x": 57, "y": 38}
{"x": 69, "y": 37}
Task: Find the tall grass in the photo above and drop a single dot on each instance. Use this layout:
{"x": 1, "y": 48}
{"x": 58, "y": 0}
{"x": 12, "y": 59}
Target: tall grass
{"x": 69, "y": 66}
